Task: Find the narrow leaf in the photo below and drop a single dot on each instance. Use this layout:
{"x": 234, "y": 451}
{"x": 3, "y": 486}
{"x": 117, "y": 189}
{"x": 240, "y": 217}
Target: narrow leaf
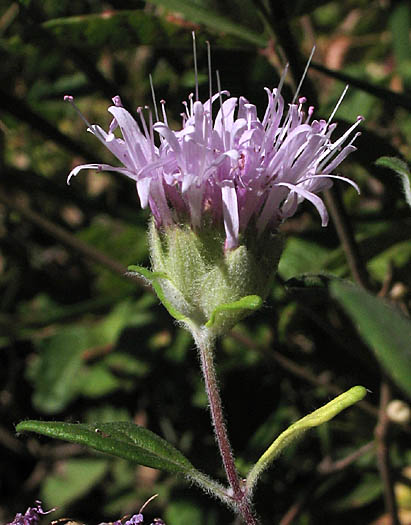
{"x": 126, "y": 440}
{"x": 122, "y": 439}
{"x": 293, "y": 432}
{"x": 385, "y": 330}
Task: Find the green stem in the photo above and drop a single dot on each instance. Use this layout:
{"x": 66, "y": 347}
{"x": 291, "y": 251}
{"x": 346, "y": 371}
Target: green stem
{"x": 205, "y": 344}
{"x": 212, "y": 487}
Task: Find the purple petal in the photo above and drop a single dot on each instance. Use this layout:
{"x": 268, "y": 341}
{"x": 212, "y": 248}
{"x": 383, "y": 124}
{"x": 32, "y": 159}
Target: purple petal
{"x": 314, "y": 199}
{"x": 327, "y": 176}
{"x": 100, "y": 167}
{"x": 230, "y": 213}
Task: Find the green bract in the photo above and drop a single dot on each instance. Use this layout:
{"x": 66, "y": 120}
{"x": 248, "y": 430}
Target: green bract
{"x": 204, "y": 286}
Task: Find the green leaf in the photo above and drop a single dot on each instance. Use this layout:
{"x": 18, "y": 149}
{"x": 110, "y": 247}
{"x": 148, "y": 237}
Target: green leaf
{"x": 181, "y": 511}
{"x": 213, "y": 21}
{"x": 122, "y": 439}
{"x": 398, "y": 256}
{"x": 316, "y": 418}
{"x": 128, "y": 441}
{"x": 385, "y": 330}
{"x": 400, "y": 25}
{"x": 98, "y": 381}
{"x": 72, "y": 480}
{"x": 363, "y": 493}
{"x": 402, "y": 170}
{"x": 250, "y": 302}
{"x": 56, "y": 371}
{"x": 152, "y": 278}
{"x": 301, "y": 256}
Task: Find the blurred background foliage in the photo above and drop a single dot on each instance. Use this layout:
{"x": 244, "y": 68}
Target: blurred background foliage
{"x": 81, "y": 341}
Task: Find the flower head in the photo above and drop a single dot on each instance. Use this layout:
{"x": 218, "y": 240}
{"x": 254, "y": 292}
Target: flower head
{"x": 236, "y": 169}
{"x": 218, "y": 188}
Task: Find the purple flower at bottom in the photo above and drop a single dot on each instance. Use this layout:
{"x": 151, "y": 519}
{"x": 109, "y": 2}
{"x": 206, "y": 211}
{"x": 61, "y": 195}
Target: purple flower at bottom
{"x": 135, "y": 520}
{"x": 236, "y": 169}
{"x": 32, "y": 515}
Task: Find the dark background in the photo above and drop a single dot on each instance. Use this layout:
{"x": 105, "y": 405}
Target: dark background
{"x": 81, "y": 342}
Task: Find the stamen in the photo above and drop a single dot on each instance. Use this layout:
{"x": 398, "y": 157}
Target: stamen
{"x": 210, "y": 89}
{"x": 190, "y": 98}
{"x": 187, "y": 113}
{"x": 221, "y": 107}
{"x": 282, "y": 80}
{"x": 150, "y": 118}
{"x": 337, "y": 105}
{"x": 146, "y": 503}
{"x": 328, "y": 153}
{"x": 304, "y": 75}
{"x": 70, "y": 99}
{"x": 309, "y": 114}
{"x": 195, "y": 64}
{"x": 210, "y": 77}
{"x": 153, "y": 96}
{"x": 183, "y": 119}
{"x": 143, "y": 122}
{"x": 163, "y": 111}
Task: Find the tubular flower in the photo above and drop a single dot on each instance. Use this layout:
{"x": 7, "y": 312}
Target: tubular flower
{"x": 218, "y": 188}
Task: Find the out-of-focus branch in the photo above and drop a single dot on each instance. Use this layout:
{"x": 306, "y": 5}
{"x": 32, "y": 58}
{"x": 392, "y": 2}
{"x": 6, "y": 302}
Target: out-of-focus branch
{"x": 19, "y": 109}
{"x": 65, "y": 237}
{"x": 277, "y": 20}
{"x": 381, "y": 431}
{"x": 297, "y": 370}
{"x": 323, "y": 470}
{"x": 345, "y": 233}
{"x": 389, "y": 97}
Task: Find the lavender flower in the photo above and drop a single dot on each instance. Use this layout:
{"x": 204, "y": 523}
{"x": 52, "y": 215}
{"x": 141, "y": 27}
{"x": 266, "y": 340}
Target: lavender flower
{"x": 32, "y": 515}
{"x": 218, "y": 188}
{"x": 236, "y": 169}
{"x": 135, "y": 520}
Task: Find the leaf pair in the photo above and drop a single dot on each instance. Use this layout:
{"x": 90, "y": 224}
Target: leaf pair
{"x": 137, "y": 444}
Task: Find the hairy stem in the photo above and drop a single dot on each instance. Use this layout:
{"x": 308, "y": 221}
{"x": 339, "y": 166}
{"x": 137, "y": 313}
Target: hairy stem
{"x": 205, "y": 345}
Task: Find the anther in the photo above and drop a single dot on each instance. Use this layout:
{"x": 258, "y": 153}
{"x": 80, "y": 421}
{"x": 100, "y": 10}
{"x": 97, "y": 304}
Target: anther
{"x": 117, "y": 101}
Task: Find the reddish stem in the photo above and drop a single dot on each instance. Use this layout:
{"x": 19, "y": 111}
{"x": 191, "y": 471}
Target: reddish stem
{"x": 205, "y": 346}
